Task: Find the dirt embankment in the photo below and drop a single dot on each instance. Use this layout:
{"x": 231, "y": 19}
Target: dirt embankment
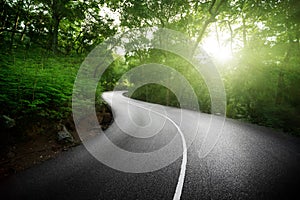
{"x": 24, "y": 147}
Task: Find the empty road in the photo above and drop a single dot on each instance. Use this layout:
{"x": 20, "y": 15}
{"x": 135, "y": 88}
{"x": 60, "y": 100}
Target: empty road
{"x": 161, "y": 159}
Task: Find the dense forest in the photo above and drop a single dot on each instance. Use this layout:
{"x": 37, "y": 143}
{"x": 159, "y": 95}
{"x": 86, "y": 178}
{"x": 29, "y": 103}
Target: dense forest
{"x": 257, "y": 51}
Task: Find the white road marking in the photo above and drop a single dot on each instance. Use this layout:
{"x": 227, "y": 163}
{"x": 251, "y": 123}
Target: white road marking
{"x": 180, "y": 182}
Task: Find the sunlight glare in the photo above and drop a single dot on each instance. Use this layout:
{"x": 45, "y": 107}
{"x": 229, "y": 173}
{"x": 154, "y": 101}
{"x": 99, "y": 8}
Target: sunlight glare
{"x": 221, "y": 52}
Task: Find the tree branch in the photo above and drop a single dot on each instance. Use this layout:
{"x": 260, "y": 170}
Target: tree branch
{"x": 211, "y": 19}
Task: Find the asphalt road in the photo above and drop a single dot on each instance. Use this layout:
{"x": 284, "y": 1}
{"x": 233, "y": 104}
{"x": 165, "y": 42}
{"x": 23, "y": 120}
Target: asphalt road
{"x": 247, "y": 162}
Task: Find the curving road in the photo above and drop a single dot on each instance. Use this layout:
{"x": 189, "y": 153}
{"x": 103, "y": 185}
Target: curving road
{"x": 247, "y": 162}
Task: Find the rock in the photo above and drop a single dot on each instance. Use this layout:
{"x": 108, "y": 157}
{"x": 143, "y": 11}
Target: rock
{"x": 6, "y": 122}
{"x": 10, "y": 154}
{"x": 65, "y": 136}
{"x": 106, "y": 118}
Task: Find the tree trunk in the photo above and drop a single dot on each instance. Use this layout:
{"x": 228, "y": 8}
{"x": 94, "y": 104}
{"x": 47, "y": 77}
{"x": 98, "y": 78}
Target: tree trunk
{"x": 201, "y": 34}
{"x": 55, "y": 34}
{"x": 280, "y": 85}
{"x": 244, "y": 31}
{"x": 3, "y": 19}
{"x": 231, "y": 37}
{"x": 280, "y": 81}
{"x": 168, "y": 97}
{"x": 14, "y": 30}
{"x": 213, "y": 13}
{"x": 24, "y": 31}
{"x": 217, "y": 35}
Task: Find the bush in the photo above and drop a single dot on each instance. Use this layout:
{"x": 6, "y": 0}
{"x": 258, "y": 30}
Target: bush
{"x": 36, "y": 84}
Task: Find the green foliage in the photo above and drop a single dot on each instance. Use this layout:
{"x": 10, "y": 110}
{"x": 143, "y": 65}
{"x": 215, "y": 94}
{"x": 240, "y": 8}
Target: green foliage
{"x": 160, "y": 94}
{"x": 36, "y": 84}
{"x": 265, "y": 89}
{"x": 155, "y": 93}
